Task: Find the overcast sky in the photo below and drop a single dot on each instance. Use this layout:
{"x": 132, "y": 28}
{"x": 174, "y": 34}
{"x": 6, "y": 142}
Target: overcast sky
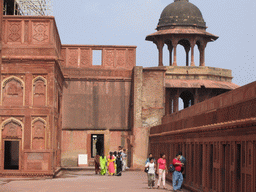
{"x": 128, "y": 22}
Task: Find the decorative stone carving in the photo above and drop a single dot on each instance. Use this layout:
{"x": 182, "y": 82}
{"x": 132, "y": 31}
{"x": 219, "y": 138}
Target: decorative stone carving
{"x": 38, "y": 133}
{"x": 12, "y": 91}
{"x": 131, "y": 58}
{"x": 121, "y": 58}
{"x": 14, "y": 34}
{"x": 12, "y": 129}
{"x": 109, "y": 60}
{"x": 40, "y": 32}
{"x": 39, "y": 91}
{"x": 73, "y": 58}
{"x": 85, "y": 58}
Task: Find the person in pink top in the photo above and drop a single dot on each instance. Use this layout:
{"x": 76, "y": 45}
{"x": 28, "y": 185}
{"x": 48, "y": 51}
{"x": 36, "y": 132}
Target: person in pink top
{"x": 161, "y": 170}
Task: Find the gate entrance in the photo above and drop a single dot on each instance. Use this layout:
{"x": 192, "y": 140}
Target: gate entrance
{"x": 11, "y": 155}
{"x": 97, "y": 144}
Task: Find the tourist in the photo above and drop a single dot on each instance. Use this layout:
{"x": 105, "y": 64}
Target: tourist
{"x": 149, "y": 156}
{"x": 103, "y": 162}
{"x": 124, "y": 159}
{"x": 161, "y": 170}
{"x": 151, "y": 172}
{"x": 97, "y": 163}
{"x": 111, "y": 164}
{"x": 118, "y": 165}
{"x": 177, "y": 177}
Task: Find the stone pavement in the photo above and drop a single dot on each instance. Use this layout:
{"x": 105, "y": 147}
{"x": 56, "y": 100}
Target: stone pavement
{"x": 77, "y": 181}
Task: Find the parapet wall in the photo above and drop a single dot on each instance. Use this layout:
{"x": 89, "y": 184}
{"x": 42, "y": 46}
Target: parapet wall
{"x": 234, "y": 105}
{"x": 28, "y": 37}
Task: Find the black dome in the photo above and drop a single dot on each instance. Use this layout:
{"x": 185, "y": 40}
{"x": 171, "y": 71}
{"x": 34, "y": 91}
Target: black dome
{"x": 181, "y": 13}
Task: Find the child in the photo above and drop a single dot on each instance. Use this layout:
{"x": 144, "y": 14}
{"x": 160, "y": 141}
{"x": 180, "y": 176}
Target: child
{"x": 151, "y": 172}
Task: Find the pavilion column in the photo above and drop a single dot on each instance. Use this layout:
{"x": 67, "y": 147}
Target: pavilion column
{"x": 176, "y": 102}
{"x": 192, "y": 54}
{"x": 175, "y": 53}
{"x": 170, "y": 48}
{"x": 160, "y": 44}
{"x": 202, "y": 55}
{"x": 187, "y": 49}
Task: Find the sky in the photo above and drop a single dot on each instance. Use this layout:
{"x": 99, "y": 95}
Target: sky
{"x": 128, "y": 22}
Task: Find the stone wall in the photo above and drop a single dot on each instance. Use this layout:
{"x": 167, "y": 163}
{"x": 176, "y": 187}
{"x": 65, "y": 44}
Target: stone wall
{"x": 217, "y": 137}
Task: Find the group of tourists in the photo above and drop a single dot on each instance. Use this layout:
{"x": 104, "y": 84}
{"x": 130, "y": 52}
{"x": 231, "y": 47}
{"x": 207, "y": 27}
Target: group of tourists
{"x": 160, "y": 169}
{"x": 114, "y": 164}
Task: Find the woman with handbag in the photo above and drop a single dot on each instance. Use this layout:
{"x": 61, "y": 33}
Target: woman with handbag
{"x": 150, "y": 169}
{"x": 161, "y": 170}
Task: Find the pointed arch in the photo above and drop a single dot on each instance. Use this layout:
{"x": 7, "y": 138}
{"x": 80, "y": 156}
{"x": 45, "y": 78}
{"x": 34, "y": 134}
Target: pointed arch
{"x": 16, "y": 121}
{"x": 17, "y": 79}
{"x": 41, "y": 134}
{"x": 39, "y": 92}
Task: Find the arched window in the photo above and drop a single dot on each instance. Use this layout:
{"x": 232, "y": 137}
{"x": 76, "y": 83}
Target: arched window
{"x": 188, "y": 99}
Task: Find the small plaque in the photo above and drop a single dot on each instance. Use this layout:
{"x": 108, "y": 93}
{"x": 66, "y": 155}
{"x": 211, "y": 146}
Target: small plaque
{"x": 82, "y": 159}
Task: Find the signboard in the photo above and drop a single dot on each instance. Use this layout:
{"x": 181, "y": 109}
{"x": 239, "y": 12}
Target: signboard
{"x": 82, "y": 159}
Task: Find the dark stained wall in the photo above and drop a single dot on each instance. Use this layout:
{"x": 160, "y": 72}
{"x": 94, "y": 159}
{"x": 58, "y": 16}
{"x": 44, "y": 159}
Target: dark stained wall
{"x": 96, "y": 105}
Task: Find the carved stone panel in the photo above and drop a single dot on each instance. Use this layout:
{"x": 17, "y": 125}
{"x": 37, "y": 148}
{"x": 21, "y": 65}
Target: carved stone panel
{"x": 39, "y": 92}
{"x": 40, "y": 32}
{"x": 12, "y": 130}
{"x": 38, "y": 134}
{"x": 109, "y": 58}
{"x": 12, "y": 92}
{"x": 121, "y": 58}
{"x": 14, "y": 32}
{"x": 131, "y": 58}
{"x": 72, "y": 57}
{"x": 85, "y": 58}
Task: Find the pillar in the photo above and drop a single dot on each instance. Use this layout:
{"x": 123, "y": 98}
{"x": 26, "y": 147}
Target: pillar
{"x": 160, "y": 44}
{"x": 170, "y": 48}
{"x": 176, "y": 102}
{"x": 175, "y": 53}
{"x": 187, "y": 49}
{"x": 192, "y": 54}
{"x": 202, "y": 54}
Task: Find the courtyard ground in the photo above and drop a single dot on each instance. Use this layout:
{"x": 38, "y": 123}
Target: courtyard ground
{"x": 76, "y": 181}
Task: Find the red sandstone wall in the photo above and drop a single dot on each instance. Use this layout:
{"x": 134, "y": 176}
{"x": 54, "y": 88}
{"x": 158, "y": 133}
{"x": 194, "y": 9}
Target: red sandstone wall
{"x": 79, "y": 142}
{"x": 30, "y": 94}
{"x": 218, "y": 139}
{"x": 96, "y": 105}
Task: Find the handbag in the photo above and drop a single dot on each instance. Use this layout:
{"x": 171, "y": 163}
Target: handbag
{"x": 171, "y": 168}
{"x": 146, "y": 169}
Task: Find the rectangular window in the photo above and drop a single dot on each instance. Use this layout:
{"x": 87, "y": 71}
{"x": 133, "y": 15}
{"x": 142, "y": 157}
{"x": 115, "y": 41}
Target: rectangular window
{"x": 97, "y": 57}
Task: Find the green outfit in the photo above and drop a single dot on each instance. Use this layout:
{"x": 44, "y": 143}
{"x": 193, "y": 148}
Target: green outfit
{"x": 103, "y": 167}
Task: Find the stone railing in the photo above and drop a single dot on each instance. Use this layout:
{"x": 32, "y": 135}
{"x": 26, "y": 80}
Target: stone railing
{"x": 109, "y": 57}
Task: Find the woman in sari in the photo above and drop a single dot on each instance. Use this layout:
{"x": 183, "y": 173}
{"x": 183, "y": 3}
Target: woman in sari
{"x": 111, "y": 164}
{"x": 97, "y": 163}
{"x": 103, "y": 161}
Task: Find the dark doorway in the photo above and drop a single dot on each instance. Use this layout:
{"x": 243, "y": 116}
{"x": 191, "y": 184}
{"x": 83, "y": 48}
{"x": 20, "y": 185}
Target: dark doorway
{"x": 97, "y": 144}
{"x": 187, "y": 98}
{"x": 11, "y": 155}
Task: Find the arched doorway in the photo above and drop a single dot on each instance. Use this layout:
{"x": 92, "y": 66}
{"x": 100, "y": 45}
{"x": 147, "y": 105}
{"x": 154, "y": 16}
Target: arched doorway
{"x": 187, "y": 98}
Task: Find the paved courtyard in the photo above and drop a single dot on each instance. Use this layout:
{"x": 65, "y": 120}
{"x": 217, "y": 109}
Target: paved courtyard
{"x": 68, "y": 181}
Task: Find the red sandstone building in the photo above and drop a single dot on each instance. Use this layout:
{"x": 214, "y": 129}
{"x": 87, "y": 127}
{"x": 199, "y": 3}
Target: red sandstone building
{"x": 56, "y": 103}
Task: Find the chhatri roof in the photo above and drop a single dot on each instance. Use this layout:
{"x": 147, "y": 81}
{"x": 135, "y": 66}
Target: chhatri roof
{"x": 181, "y": 13}
{"x": 181, "y": 17}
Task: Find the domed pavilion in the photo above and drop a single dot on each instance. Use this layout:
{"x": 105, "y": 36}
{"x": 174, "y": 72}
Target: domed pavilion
{"x": 182, "y": 23}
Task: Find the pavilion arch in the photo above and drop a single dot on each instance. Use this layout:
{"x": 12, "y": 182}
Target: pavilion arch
{"x": 16, "y": 121}
{"x": 17, "y": 79}
{"x": 187, "y": 98}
